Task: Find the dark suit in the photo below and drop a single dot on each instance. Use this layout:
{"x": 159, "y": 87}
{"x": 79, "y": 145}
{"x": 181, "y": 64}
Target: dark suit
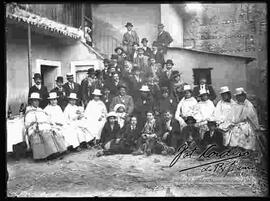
{"x": 217, "y": 139}
{"x": 164, "y": 104}
{"x": 43, "y": 92}
{"x": 131, "y": 136}
{"x": 159, "y": 58}
{"x": 113, "y": 87}
{"x": 126, "y": 100}
{"x": 163, "y": 40}
{"x": 212, "y": 96}
{"x": 76, "y": 90}
{"x": 192, "y": 131}
{"x": 87, "y": 89}
{"x": 62, "y": 100}
{"x": 107, "y": 101}
{"x": 147, "y": 52}
{"x": 165, "y": 80}
{"x": 135, "y": 86}
{"x": 174, "y": 137}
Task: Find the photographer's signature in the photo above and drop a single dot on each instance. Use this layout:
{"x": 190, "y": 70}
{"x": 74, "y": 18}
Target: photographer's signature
{"x": 220, "y": 165}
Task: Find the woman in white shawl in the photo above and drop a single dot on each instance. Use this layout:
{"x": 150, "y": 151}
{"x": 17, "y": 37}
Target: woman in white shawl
{"x": 121, "y": 114}
{"x": 95, "y": 114}
{"x": 223, "y": 114}
{"x": 204, "y": 111}
{"x": 75, "y": 130}
{"x": 39, "y": 131}
{"x": 186, "y": 107}
{"x": 245, "y": 121}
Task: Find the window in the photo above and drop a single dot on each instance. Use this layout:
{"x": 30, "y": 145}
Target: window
{"x": 199, "y": 73}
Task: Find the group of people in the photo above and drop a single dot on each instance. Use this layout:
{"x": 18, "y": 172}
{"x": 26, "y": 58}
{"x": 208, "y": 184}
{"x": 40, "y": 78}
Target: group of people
{"x": 136, "y": 105}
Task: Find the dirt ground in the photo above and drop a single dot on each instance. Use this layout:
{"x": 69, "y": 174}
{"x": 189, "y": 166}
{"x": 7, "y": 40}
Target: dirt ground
{"x": 83, "y": 174}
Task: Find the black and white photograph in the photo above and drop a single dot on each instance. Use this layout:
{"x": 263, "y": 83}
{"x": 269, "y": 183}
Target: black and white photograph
{"x": 136, "y": 100}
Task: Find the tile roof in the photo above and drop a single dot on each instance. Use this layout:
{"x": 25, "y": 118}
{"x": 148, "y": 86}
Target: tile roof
{"x": 20, "y": 15}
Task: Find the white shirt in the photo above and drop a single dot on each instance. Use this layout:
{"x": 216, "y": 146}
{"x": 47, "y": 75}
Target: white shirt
{"x": 38, "y": 86}
{"x": 204, "y": 110}
{"x": 202, "y": 87}
{"x": 55, "y": 114}
{"x": 186, "y": 107}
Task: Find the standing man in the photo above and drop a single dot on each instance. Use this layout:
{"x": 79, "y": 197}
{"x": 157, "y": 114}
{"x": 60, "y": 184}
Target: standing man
{"x": 88, "y": 85}
{"x": 42, "y": 90}
{"x": 157, "y": 55}
{"x": 123, "y": 98}
{"x": 61, "y": 92}
{"x": 73, "y": 87}
{"x": 205, "y": 87}
{"x": 166, "y": 76}
{"x": 164, "y": 39}
{"x": 129, "y": 38}
{"x": 142, "y": 61}
{"x": 147, "y": 50}
{"x": 105, "y": 71}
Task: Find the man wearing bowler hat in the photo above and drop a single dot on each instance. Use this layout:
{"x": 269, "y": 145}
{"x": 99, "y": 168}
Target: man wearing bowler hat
{"x": 147, "y": 50}
{"x": 129, "y": 38}
{"x": 166, "y": 76}
{"x": 88, "y": 85}
{"x": 204, "y": 86}
{"x": 61, "y": 92}
{"x": 164, "y": 39}
{"x": 159, "y": 57}
{"x": 73, "y": 87}
{"x": 39, "y": 88}
{"x": 142, "y": 61}
{"x": 123, "y": 98}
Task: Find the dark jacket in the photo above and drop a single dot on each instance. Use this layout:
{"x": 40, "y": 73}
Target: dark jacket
{"x": 147, "y": 52}
{"x": 43, "y": 92}
{"x": 114, "y": 88}
{"x": 163, "y": 40}
{"x": 159, "y": 58}
{"x": 62, "y": 100}
{"x": 108, "y": 134}
{"x": 87, "y": 89}
{"x": 77, "y": 90}
{"x": 217, "y": 138}
{"x": 130, "y": 136}
{"x": 135, "y": 86}
{"x": 190, "y": 131}
{"x": 165, "y": 80}
{"x": 164, "y": 104}
{"x": 175, "y": 127}
{"x": 212, "y": 96}
{"x": 107, "y": 101}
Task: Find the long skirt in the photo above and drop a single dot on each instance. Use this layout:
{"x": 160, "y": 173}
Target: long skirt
{"x": 75, "y": 134}
{"x": 243, "y": 135}
{"x": 45, "y": 143}
{"x": 95, "y": 128}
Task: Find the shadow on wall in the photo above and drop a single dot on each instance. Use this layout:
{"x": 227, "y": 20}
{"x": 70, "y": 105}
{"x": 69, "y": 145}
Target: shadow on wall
{"x": 105, "y": 36}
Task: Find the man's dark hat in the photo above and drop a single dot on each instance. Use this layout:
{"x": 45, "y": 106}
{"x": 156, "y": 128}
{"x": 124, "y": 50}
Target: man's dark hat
{"x": 129, "y": 24}
{"x": 135, "y": 43}
{"x": 144, "y": 39}
{"x": 211, "y": 123}
{"x": 59, "y": 79}
{"x": 122, "y": 85}
{"x": 190, "y": 118}
{"x": 36, "y": 76}
{"x": 175, "y": 73}
{"x": 91, "y": 71}
{"x": 169, "y": 61}
{"x": 114, "y": 56}
{"x": 117, "y": 48}
{"x": 106, "y": 61}
{"x": 98, "y": 72}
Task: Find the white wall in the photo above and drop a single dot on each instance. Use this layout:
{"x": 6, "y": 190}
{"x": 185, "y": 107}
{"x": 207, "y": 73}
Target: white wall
{"x": 173, "y": 24}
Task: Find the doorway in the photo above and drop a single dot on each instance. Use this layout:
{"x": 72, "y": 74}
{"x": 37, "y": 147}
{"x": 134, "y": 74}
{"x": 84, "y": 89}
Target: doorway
{"x": 48, "y": 75}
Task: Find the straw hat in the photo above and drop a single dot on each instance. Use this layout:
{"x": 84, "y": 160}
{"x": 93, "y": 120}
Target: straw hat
{"x": 145, "y": 88}
{"x": 73, "y": 96}
{"x": 69, "y": 75}
{"x": 203, "y": 91}
{"x": 52, "y": 95}
{"x": 97, "y": 92}
{"x": 224, "y": 90}
{"x": 187, "y": 87}
{"x": 35, "y": 95}
{"x": 111, "y": 114}
{"x": 239, "y": 91}
{"x": 118, "y": 106}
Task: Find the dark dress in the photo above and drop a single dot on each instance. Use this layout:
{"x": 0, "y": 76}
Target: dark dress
{"x": 43, "y": 92}
{"x": 107, "y": 134}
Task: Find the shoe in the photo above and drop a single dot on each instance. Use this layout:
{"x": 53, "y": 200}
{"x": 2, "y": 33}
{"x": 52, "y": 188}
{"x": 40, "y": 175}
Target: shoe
{"x": 138, "y": 152}
{"x": 78, "y": 149}
{"x": 100, "y": 153}
{"x": 171, "y": 150}
{"x": 164, "y": 152}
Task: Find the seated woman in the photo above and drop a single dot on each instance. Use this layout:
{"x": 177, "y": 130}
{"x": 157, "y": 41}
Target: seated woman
{"x": 245, "y": 120}
{"x": 95, "y": 114}
{"x": 151, "y": 139}
{"x": 39, "y": 131}
{"x": 213, "y": 136}
{"x": 56, "y": 118}
{"x": 204, "y": 110}
{"x": 121, "y": 115}
{"x": 110, "y": 135}
{"x": 75, "y": 130}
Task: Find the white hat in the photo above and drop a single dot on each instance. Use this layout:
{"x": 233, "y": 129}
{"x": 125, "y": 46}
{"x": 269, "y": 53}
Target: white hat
{"x": 73, "y": 96}
{"x": 69, "y": 75}
{"x": 203, "y": 91}
{"x": 239, "y": 91}
{"x": 35, "y": 95}
{"x": 145, "y": 88}
{"x": 187, "y": 87}
{"x": 97, "y": 92}
{"x": 224, "y": 89}
{"x": 53, "y": 95}
{"x": 111, "y": 114}
{"x": 117, "y": 106}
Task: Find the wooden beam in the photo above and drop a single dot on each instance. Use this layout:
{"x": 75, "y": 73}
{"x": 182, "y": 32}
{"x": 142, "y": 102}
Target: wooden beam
{"x": 29, "y": 56}
{"x": 82, "y": 23}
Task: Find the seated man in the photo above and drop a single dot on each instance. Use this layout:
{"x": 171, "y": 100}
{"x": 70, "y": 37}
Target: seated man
{"x": 190, "y": 133}
{"x": 213, "y": 136}
{"x": 171, "y": 130}
{"x": 150, "y": 140}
